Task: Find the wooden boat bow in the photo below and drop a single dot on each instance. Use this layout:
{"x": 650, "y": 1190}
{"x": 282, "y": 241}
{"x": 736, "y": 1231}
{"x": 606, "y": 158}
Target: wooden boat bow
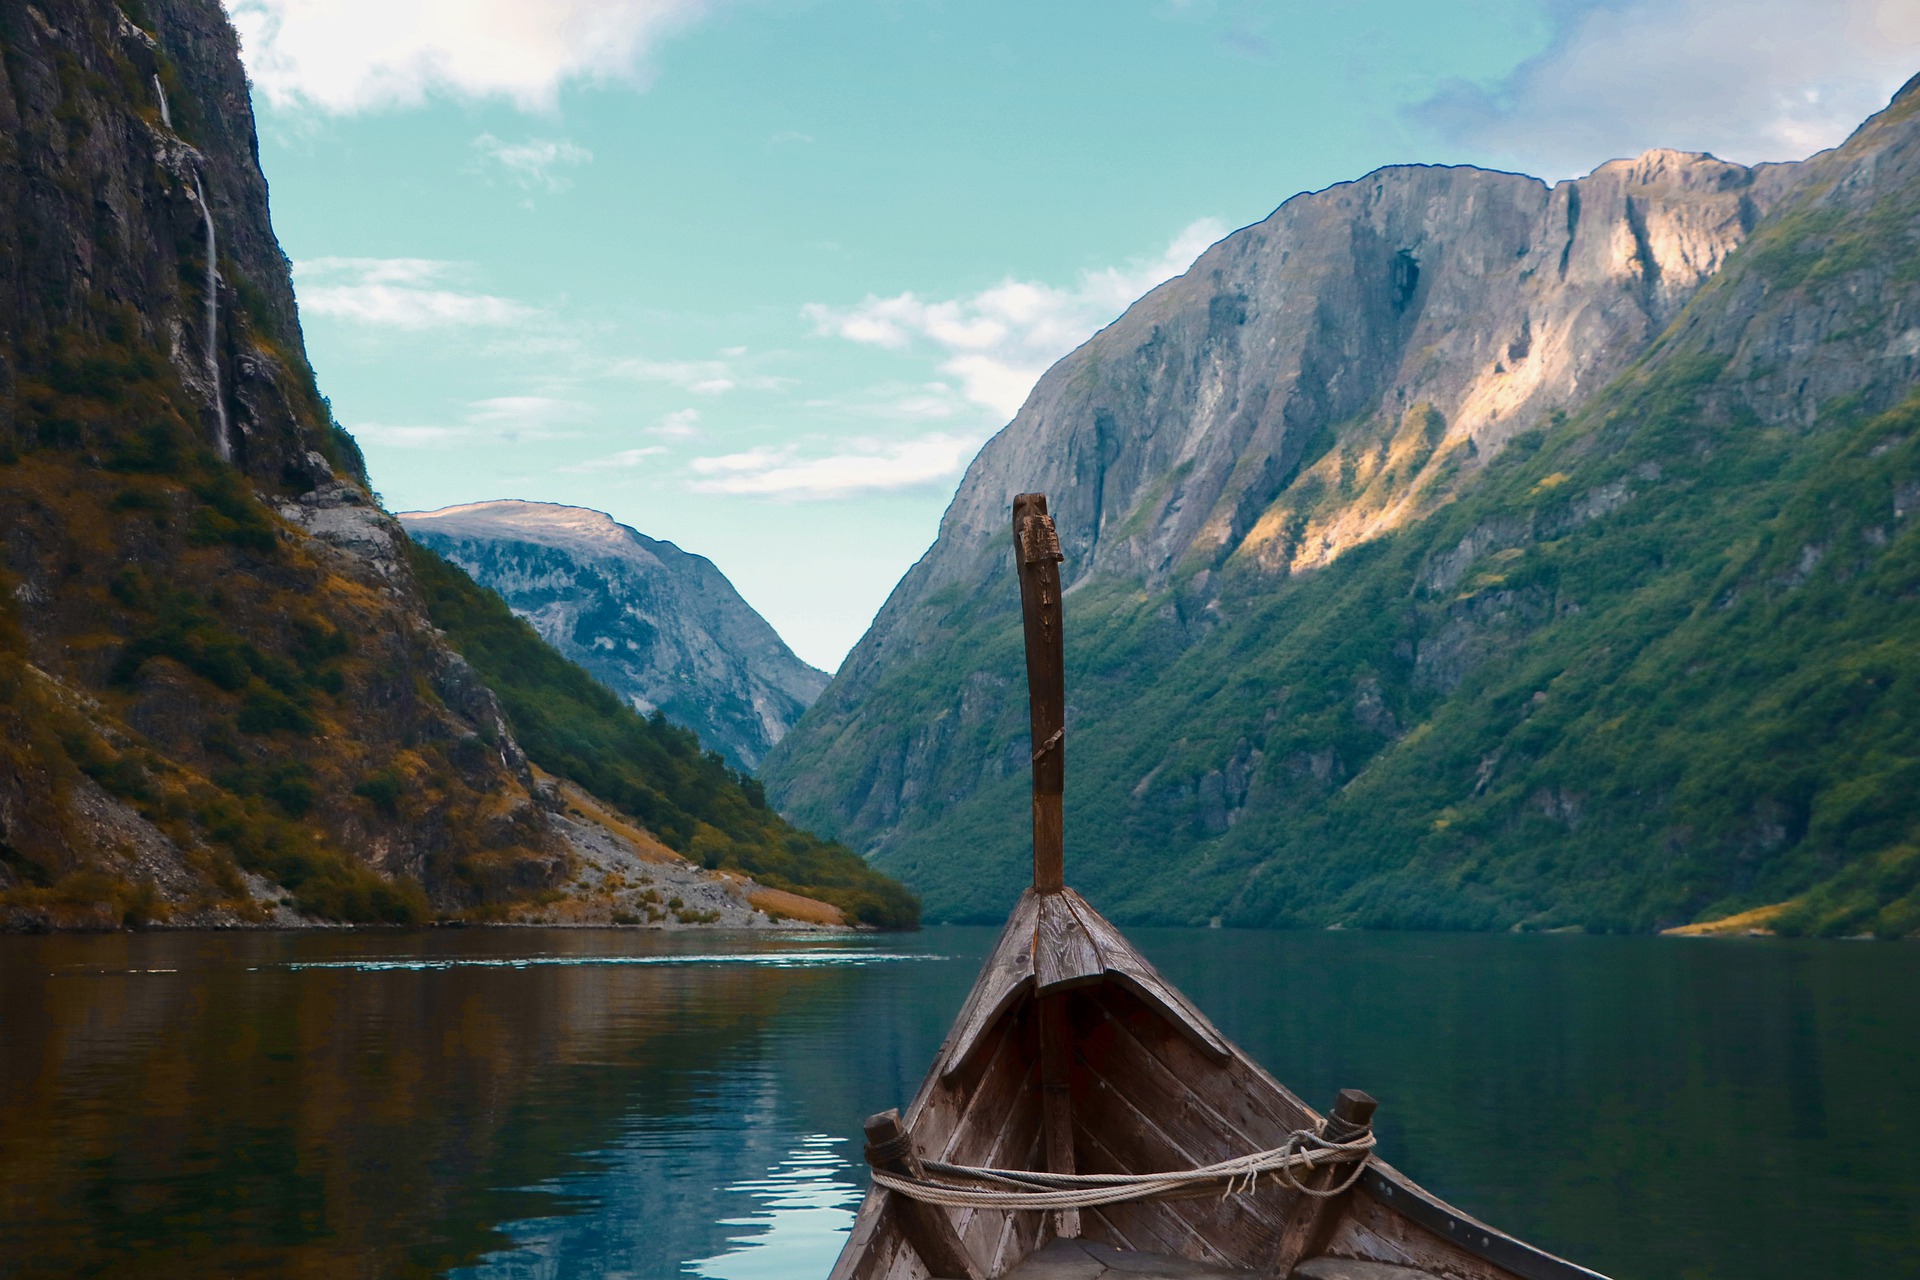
{"x": 1083, "y": 1119}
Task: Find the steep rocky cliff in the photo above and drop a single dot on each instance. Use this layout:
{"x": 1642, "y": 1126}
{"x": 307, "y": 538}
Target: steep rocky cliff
{"x": 222, "y": 698}
{"x": 1373, "y": 520}
{"x": 662, "y": 628}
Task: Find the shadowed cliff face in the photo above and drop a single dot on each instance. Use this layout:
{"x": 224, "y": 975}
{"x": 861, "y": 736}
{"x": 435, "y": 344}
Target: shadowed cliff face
{"x": 1338, "y": 504}
{"x": 662, "y": 628}
{"x": 219, "y": 696}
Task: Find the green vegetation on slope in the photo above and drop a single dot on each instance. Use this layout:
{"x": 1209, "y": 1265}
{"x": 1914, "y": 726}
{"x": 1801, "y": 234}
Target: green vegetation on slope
{"x": 1705, "y": 699}
{"x": 1659, "y": 663}
{"x": 170, "y": 597}
{"x": 572, "y": 725}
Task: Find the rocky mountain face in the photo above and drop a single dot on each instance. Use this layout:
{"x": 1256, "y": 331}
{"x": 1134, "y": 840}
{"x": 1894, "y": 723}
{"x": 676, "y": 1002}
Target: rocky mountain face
{"x": 222, "y": 697}
{"x": 1388, "y": 527}
{"x": 662, "y": 628}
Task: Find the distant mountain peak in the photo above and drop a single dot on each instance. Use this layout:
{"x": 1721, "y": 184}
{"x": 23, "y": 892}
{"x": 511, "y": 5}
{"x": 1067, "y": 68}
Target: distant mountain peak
{"x": 660, "y": 626}
{"x": 550, "y": 524}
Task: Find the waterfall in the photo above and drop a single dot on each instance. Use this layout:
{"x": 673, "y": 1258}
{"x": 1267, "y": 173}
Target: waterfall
{"x": 221, "y": 443}
{"x": 160, "y": 91}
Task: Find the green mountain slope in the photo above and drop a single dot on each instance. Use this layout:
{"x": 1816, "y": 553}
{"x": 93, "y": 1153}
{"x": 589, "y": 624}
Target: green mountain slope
{"x": 572, "y": 725}
{"x": 222, "y": 698}
{"x": 1658, "y": 661}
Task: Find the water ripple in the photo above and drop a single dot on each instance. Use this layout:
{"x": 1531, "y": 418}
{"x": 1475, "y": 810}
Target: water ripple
{"x": 767, "y": 960}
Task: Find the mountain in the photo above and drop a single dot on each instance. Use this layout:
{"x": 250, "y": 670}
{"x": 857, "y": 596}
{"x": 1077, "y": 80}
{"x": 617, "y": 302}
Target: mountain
{"x": 225, "y": 695}
{"x": 1449, "y": 550}
{"x": 660, "y": 627}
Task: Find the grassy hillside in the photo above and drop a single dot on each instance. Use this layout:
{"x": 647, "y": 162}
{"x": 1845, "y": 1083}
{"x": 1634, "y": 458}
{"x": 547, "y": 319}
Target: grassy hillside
{"x": 168, "y": 644}
{"x": 570, "y": 724}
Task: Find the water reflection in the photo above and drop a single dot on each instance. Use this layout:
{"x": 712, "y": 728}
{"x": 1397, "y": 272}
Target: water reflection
{"x": 805, "y": 1207}
{"x": 498, "y": 1103}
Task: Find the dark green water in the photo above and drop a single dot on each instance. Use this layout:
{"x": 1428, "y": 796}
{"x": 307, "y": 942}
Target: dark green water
{"x": 545, "y": 1104}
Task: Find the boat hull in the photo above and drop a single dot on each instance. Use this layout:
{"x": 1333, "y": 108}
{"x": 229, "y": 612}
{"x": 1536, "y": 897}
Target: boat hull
{"x": 1151, "y": 1085}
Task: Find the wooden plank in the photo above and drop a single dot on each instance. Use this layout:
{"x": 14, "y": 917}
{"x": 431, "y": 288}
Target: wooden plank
{"x": 902, "y": 1263}
{"x": 1141, "y": 1131}
{"x": 942, "y": 1101}
{"x": 859, "y": 1257}
{"x": 1314, "y": 1216}
{"x": 1133, "y": 969}
{"x": 1003, "y": 978}
{"x": 1078, "y": 1260}
{"x": 1243, "y": 1095}
{"x": 1013, "y": 1145}
{"x": 1372, "y": 1233}
{"x": 1064, "y": 953}
{"x": 999, "y": 1120}
{"x": 1389, "y": 1194}
{"x": 1056, "y": 1100}
{"x": 1152, "y": 1226}
{"x": 1181, "y": 1109}
{"x": 983, "y": 1113}
{"x": 1025, "y": 1231}
{"x": 927, "y": 1227}
{"x": 1098, "y": 1226}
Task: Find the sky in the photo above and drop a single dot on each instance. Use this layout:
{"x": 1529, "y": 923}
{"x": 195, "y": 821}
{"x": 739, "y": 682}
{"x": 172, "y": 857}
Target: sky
{"x": 759, "y": 277}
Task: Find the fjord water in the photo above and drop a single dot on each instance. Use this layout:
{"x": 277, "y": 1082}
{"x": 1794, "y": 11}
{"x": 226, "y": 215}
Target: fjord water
{"x": 506, "y": 1103}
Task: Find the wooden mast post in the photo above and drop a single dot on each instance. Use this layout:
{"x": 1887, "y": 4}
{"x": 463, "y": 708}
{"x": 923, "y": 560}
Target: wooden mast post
{"x": 1037, "y": 554}
{"x": 1037, "y": 550}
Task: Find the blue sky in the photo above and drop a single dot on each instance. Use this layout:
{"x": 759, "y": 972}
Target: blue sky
{"x": 760, "y": 277}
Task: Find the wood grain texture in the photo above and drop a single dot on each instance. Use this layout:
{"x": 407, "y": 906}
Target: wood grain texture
{"x": 1036, "y": 552}
{"x": 1314, "y": 1217}
{"x": 1064, "y": 952}
{"x": 928, "y": 1228}
{"x": 1004, "y": 976}
{"x": 1056, "y": 1100}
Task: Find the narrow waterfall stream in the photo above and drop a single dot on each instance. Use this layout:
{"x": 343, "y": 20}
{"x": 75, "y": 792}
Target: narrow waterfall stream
{"x": 160, "y": 92}
{"x": 222, "y": 443}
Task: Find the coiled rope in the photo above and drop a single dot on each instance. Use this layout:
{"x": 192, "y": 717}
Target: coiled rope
{"x": 1029, "y": 1189}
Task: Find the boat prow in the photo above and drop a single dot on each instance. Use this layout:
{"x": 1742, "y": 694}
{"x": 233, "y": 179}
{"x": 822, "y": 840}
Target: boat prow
{"x": 1084, "y": 1119}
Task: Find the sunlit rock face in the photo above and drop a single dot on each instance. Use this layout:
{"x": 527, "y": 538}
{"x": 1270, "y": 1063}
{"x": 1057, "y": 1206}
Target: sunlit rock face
{"x": 1382, "y": 336}
{"x": 1378, "y": 341}
{"x": 1359, "y": 390}
{"x": 664, "y": 629}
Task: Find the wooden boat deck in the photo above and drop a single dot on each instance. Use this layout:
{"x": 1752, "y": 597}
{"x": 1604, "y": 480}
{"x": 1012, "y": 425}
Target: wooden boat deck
{"x": 1091, "y": 1260}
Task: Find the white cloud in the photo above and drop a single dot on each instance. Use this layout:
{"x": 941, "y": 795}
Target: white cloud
{"x": 509, "y": 418}
{"x": 408, "y": 437}
{"x": 399, "y": 293}
{"x": 526, "y": 417}
{"x": 703, "y": 377}
{"x": 624, "y": 458}
{"x": 897, "y": 402}
{"x": 681, "y": 424}
{"x": 1758, "y": 80}
{"x": 859, "y": 466}
{"x": 354, "y": 55}
{"x": 532, "y": 163}
{"x": 998, "y": 342}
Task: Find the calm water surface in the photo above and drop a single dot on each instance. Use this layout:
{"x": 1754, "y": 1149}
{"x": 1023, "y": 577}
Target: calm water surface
{"x": 490, "y": 1104}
